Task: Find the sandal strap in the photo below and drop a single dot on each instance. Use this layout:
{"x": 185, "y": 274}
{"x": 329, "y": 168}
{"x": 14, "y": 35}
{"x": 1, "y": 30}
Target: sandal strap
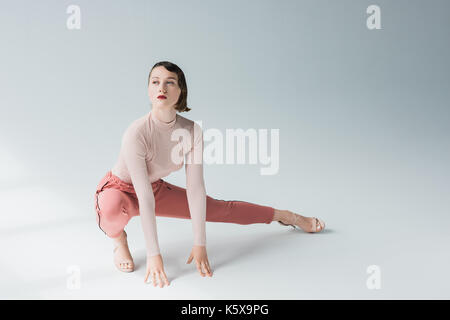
{"x": 296, "y": 217}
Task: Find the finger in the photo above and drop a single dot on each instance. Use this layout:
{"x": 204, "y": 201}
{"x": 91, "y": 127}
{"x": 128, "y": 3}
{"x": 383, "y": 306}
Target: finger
{"x": 154, "y": 279}
{"x": 209, "y": 268}
{"x": 165, "y": 278}
{"x": 205, "y": 268}
{"x": 159, "y": 279}
{"x": 189, "y": 259}
{"x": 199, "y": 268}
{"x": 146, "y": 276}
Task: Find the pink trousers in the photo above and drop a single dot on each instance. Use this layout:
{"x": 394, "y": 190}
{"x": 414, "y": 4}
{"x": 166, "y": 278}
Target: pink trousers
{"x": 116, "y": 203}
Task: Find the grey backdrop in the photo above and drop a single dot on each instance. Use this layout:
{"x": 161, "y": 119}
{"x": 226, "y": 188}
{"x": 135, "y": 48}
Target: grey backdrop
{"x": 364, "y": 143}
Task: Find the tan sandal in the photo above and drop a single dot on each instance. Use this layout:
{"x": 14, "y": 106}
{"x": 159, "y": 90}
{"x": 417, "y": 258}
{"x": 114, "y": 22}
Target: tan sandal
{"x": 117, "y": 263}
{"x": 320, "y": 225}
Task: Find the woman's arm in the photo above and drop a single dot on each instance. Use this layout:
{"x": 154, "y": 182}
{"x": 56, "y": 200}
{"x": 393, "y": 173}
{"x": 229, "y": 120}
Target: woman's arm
{"x": 195, "y": 186}
{"x": 133, "y": 145}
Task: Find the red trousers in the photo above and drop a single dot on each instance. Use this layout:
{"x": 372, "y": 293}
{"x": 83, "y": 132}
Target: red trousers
{"x": 116, "y": 203}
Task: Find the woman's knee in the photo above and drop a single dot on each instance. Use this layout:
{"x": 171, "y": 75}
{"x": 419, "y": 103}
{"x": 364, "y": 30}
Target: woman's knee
{"x": 111, "y": 204}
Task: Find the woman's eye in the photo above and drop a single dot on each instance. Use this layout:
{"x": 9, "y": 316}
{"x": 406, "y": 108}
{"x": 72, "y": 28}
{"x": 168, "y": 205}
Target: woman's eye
{"x": 167, "y": 82}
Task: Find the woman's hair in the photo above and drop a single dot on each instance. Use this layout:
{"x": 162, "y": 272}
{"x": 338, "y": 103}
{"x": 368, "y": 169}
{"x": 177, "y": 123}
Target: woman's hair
{"x": 181, "y": 104}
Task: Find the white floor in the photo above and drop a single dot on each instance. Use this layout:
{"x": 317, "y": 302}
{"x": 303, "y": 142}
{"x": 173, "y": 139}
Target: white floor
{"x": 49, "y": 247}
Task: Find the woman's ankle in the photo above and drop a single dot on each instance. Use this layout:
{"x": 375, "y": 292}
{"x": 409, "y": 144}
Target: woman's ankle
{"x": 120, "y": 238}
{"x": 279, "y": 215}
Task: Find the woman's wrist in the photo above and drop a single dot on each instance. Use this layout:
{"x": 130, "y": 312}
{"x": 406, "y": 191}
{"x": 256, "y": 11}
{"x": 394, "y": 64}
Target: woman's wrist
{"x": 150, "y": 255}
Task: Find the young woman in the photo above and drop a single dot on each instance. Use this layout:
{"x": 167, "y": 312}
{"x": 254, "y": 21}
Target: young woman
{"x": 153, "y": 146}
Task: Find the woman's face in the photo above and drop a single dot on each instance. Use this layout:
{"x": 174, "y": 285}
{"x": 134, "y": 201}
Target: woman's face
{"x": 163, "y": 82}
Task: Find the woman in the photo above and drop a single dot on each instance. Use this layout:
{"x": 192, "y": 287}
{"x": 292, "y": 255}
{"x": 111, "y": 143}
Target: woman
{"x": 153, "y": 146}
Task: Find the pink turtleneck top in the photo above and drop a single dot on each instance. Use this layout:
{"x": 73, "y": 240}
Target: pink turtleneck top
{"x": 152, "y": 149}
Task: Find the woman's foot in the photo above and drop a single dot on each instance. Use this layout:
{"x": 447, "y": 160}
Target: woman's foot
{"x": 307, "y": 224}
{"x": 122, "y": 255}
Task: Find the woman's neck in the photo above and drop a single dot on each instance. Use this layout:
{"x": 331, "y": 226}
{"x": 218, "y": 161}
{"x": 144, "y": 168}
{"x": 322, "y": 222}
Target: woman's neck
{"x": 164, "y": 115}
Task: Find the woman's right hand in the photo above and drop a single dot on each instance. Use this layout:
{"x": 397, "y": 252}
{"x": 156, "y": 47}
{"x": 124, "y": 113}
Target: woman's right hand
{"x": 155, "y": 268}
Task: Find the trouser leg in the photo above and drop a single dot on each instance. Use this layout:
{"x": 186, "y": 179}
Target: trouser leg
{"x": 171, "y": 201}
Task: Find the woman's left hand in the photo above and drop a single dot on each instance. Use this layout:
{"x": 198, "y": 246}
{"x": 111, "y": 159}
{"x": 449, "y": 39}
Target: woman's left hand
{"x": 201, "y": 259}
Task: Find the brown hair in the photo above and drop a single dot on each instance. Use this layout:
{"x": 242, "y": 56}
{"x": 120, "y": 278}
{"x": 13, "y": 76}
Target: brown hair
{"x": 181, "y": 104}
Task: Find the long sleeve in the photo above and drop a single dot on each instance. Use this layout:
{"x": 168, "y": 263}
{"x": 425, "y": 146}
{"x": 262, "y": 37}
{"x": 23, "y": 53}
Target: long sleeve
{"x": 195, "y": 187}
{"x": 134, "y": 149}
